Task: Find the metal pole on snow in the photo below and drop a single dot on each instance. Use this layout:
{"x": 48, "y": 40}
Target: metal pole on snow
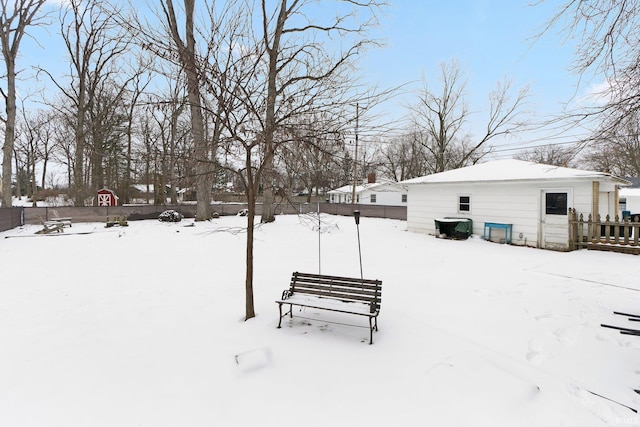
{"x": 319, "y": 234}
{"x": 356, "y": 215}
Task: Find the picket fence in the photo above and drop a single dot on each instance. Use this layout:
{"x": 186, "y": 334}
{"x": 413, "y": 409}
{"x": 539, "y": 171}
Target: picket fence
{"x": 596, "y": 234}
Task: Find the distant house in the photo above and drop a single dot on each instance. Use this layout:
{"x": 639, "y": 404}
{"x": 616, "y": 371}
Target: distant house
{"x": 372, "y": 193}
{"x": 143, "y": 193}
{"x": 533, "y": 199}
{"x": 630, "y": 200}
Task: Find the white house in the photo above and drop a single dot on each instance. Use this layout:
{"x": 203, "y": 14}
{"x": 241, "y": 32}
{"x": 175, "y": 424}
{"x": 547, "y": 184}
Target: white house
{"x": 527, "y": 199}
{"x": 630, "y": 200}
{"x": 374, "y": 193}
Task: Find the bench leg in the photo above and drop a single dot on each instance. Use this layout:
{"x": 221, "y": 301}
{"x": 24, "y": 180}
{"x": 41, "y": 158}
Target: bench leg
{"x": 371, "y": 330}
{"x": 290, "y": 313}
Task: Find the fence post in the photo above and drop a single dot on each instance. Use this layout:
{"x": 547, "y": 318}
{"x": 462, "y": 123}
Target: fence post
{"x": 572, "y": 234}
{"x": 581, "y": 231}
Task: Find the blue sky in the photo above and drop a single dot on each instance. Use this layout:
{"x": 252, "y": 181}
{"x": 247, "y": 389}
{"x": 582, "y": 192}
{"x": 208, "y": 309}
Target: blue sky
{"x": 491, "y": 40}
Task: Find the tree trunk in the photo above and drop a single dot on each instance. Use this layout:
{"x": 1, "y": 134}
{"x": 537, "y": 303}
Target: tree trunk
{"x": 249, "y": 304}
{"x": 251, "y": 186}
{"x": 78, "y": 172}
{"x": 188, "y": 60}
{"x": 9, "y": 132}
{"x": 268, "y": 214}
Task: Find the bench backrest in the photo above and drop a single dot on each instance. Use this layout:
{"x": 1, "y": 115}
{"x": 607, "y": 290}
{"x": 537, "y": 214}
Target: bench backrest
{"x": 348, "y": 289}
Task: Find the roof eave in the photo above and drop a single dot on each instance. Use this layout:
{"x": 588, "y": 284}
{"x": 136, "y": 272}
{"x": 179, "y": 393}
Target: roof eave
{"x": 484, "y": 181}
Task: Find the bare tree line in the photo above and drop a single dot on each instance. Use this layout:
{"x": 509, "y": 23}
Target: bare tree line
{"x": 197, "y": 96}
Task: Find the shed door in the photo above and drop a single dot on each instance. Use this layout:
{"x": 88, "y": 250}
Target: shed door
{"x": 554, "y": 223}
{"x": 104, "y": 199}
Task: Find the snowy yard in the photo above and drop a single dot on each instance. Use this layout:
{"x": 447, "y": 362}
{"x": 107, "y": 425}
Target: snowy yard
{"x": 143, "y": 326}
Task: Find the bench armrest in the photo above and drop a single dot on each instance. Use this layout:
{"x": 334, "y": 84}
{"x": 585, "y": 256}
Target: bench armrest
{"x": 286, "y": 294}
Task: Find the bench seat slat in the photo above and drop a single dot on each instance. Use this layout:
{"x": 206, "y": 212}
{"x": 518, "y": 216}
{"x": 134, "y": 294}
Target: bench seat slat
{"x": 328, "y": 304}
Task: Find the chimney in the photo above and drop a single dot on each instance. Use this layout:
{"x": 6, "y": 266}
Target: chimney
{"x": 371, "y": 178}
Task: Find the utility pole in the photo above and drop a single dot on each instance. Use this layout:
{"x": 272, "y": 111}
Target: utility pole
{"x": 355, "y": 160}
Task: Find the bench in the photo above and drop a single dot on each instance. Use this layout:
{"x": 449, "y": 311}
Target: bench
{"x": 65, "y": 222}
{"x": 625, "y": 331}
{"x": 334, "y": 293}
{"x": 51, "y": 227}
{"x": 508, "y": 230}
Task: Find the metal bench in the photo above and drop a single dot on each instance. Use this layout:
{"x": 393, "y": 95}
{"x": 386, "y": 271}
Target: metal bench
{"x": 334, "y": 293}
{"x": 625, "y": 331}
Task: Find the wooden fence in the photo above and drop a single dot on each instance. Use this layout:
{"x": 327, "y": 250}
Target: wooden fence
{"x": 596, "y": 234}
{"x": 11, "y": 218}
{"x": 14, "y": 217}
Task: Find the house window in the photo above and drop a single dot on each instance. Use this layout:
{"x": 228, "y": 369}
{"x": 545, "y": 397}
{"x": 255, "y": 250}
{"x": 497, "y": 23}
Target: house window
{"x": 464, "y": 204}
{"x": 373, "y": 198}
{"x": 556, "y": 203}
{"x": 404, "y": 198}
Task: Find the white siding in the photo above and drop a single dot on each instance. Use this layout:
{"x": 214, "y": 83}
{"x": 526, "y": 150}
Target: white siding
{"x": 517, "y": 203}
{"x": 633, "y": 204}
{"x": 385, "y": 198}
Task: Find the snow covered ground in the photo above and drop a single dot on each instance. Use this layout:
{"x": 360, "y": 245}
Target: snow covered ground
{"x": 143, "y": 326}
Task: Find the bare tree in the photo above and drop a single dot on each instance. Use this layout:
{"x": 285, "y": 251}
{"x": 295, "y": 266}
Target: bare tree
{"x": 288, "y": 41}
{"x": 138, "y": 86}
{"x": 172, "y": 128}
{"x": 262, "y": 67}
{"x": 312, "y": 157}
{"x": 618, "y": 150}
{"x": 186, "y": 52}
{"x": 299, "y": 67}
{"x": 607, "y": 33}
{"x": 94, "y": 42}
{"x": 14, "y": 21}
{"x": 404, "y": 157}
{"x": 441, "y": 120}
{"x": 550, "y": 154}
{"x": 26, "y": 150}
{"x": 35, "y": 143}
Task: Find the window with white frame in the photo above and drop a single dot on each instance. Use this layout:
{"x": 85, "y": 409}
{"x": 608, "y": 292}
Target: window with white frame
{"x": 404, "y": 198}
{"x": 373, "y": 198}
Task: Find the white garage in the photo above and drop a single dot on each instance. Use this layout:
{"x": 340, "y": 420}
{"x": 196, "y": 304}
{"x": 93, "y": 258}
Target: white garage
{"x": 517, "y": 202}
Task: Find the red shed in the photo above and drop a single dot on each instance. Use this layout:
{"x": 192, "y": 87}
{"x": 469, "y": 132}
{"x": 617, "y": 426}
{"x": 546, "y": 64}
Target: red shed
{"x": 107, "y": 197}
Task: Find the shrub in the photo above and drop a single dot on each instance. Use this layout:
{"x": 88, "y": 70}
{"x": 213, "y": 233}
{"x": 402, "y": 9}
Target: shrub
{"x": 170, "y": 216}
